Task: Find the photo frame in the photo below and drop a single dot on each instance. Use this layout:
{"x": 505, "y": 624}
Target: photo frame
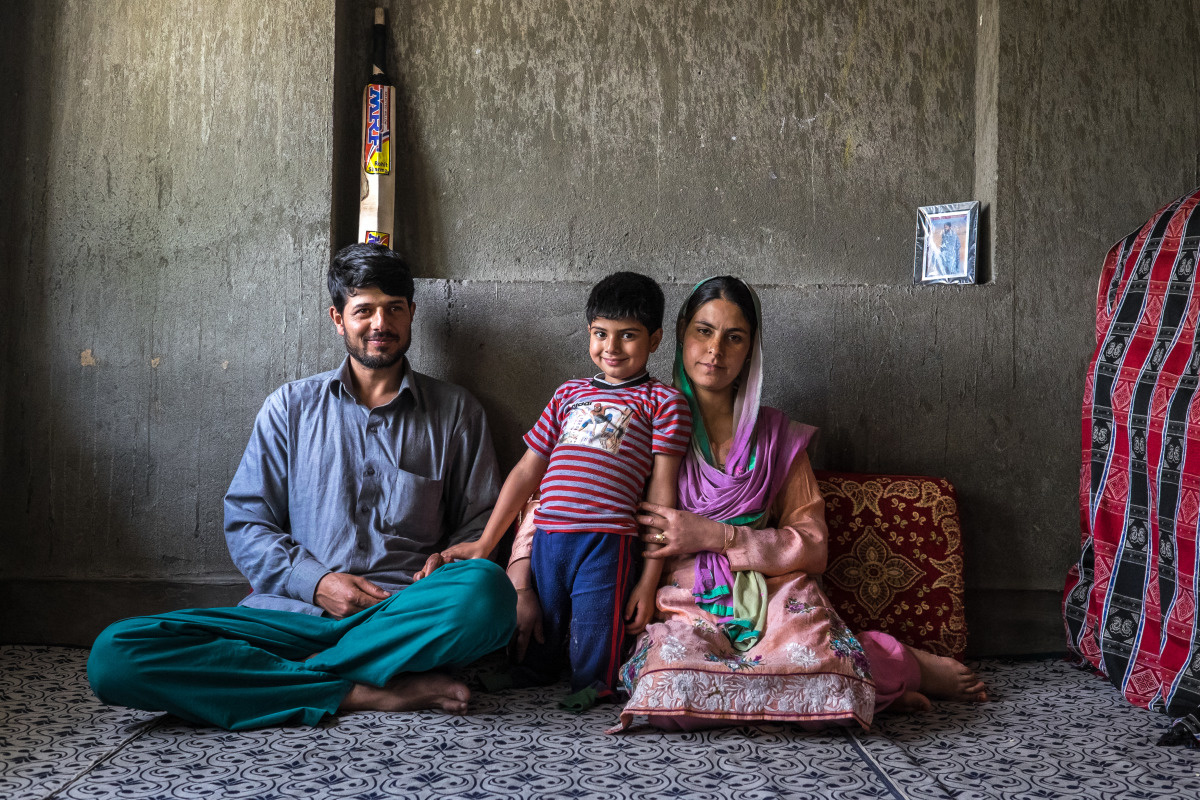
{"x": 946, "y": 243}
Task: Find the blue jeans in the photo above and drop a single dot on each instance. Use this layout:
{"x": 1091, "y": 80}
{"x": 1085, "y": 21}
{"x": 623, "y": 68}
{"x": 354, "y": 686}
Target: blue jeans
{"x": 583, "y": 581}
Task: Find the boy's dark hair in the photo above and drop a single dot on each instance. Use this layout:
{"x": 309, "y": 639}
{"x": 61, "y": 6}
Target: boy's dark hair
{"x": 627, "y": 295}
{"x": 368, "y": 266}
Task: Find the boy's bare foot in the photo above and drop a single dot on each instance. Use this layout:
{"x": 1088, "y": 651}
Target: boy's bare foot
{"x": 411, "y": 692}
{"x": 946, "y": 679}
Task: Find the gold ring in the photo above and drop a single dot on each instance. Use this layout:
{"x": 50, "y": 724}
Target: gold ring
{"x": 662, "y": 537}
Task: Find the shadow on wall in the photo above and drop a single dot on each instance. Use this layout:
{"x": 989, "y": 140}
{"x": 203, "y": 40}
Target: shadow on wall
{"x": 150, "y": 304}
{"x": 71, "y": 461}
{"x": 22, "y": 250}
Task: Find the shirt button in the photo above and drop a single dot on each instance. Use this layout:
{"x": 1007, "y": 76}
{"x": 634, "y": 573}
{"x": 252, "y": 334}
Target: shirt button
{"x": 370, "y": 470}
{"x": 374, "y": 426}
{"x": 364, "y": 509}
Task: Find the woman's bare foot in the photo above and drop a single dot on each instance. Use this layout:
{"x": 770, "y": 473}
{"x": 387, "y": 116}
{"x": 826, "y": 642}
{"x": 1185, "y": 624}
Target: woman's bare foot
{"x": 910, "y": 702}
{"x": 410, "y": 692}
{"x": 946, "y": 679}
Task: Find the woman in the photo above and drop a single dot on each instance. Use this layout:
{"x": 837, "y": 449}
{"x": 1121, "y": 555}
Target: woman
{"x": 745, "y": 633}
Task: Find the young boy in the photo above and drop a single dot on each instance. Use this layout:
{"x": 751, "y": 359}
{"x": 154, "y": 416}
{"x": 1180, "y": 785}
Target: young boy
{"x": 597, "y": 447}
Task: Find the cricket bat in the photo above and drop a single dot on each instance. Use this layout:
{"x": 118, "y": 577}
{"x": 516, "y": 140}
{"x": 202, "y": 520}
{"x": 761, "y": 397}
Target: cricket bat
{"x": 377, "y": 198}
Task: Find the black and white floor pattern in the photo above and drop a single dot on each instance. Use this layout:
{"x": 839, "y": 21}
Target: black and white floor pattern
{"x": 1051, "y": 731}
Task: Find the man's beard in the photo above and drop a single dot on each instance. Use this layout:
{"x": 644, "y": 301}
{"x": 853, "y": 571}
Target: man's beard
{"x": 358, "y": 351}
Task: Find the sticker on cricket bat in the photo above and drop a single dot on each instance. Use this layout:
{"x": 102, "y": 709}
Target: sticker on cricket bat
{"x": 377, "y": 151}
{"x": 379, "y": 237}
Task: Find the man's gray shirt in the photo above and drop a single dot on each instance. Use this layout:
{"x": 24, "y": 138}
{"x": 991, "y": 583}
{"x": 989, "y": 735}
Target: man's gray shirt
{"x": 328, "y": 485}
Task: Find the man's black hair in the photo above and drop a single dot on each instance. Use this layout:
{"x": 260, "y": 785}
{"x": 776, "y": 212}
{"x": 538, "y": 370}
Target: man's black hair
{"x": 368, "y": 266}
{"x": 627, "y": 295}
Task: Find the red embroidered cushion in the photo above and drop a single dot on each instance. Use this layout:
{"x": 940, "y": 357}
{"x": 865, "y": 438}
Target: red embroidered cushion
{"x": 895, "y": 557}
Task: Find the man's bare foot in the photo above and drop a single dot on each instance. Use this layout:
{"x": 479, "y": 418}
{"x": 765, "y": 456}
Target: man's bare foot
{"x": 410, "y": 692}
{"x": 946, "y": 679}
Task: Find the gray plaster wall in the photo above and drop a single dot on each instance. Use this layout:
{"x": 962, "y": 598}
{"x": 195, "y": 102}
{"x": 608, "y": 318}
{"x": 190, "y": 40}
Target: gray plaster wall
{"x": 170, "y": 166}
{"x": 558, "y": 138}
{"x": 165, "y": 266}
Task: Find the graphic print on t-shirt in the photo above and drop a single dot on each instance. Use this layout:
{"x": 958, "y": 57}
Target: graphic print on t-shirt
{"x": 598, "y": 425}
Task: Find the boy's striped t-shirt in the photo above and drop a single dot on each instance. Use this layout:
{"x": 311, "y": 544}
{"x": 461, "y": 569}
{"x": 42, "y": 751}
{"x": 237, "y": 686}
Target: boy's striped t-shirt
{"x": 601, "y": 441}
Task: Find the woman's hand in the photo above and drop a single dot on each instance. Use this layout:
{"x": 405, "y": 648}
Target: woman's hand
{"x": 529, "y": 622}
{"x": 681, "y": 533}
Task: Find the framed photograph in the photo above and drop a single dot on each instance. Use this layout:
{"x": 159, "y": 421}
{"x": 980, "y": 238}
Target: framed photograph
{"x": 946, "y": 237}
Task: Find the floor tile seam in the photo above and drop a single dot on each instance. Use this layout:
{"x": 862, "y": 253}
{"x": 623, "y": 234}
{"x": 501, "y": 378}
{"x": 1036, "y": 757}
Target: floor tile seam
{"x": 140, "y": 730}
{"x": 870, "y": 759}
{"x": 892, "y": 784}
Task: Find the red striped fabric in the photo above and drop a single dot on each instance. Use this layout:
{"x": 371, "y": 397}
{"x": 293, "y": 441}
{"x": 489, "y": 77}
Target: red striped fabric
{"x": 1130, "y": 600}
{"x": 601, "y": 444}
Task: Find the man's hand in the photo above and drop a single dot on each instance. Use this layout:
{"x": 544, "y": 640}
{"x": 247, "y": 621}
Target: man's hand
{"x": 432, "y": 564}
{"x": 463, "y": 551}
{"x": 529, "y": 622}
{"x": 343, "y": 594}
{"x": 640, "y": 607}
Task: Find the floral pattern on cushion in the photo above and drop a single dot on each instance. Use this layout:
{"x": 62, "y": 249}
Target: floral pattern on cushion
{"x": 895, "y": 557}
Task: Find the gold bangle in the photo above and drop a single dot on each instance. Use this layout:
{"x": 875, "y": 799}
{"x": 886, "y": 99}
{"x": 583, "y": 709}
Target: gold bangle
{"x": 729, "y": 532}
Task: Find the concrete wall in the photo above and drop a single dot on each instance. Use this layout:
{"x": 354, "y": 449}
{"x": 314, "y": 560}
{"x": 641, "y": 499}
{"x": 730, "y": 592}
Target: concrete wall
{"x": 166, "y": 267}
{"x": 1098, "y": 126}
{"x": 171, "y": 211}
{"x": 561, "y": 139}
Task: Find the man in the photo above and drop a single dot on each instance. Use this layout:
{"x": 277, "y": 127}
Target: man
{"x": 353, "y": 480}
{"x": 949, "y": 251}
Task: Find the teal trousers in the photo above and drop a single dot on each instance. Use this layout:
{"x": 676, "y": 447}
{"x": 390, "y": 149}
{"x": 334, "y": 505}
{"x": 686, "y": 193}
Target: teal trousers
{"x": 241, "y": 668}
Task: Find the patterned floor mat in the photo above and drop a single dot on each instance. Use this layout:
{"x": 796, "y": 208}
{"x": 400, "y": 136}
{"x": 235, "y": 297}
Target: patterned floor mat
{"x": 1051, "y": 731}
